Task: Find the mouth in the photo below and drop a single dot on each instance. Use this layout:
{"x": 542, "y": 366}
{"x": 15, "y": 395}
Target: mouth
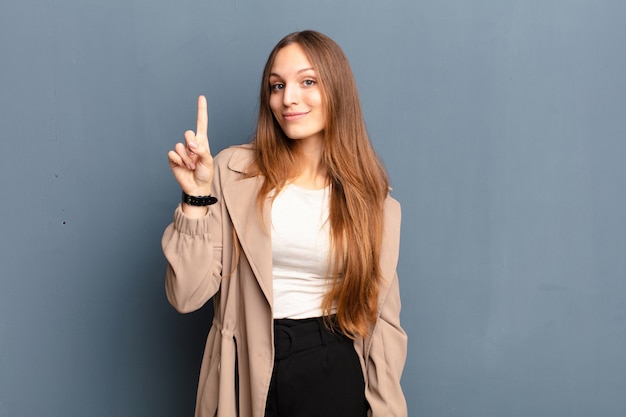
{"x": 291, "y": 116}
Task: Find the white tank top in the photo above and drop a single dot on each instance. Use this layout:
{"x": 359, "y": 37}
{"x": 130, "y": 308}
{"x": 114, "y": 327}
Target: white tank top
{"x": 300, "y": 251}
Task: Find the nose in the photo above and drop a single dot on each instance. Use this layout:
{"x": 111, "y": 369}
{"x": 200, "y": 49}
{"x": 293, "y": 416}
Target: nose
{"x": 291, "y": 94}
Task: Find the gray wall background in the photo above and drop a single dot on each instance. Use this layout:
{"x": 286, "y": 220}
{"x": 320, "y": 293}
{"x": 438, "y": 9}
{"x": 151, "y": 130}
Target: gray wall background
{"x": 502, "y": 124}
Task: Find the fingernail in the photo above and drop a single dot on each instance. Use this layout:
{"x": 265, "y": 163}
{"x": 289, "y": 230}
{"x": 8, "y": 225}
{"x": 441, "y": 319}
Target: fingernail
{"x": 193, "y": 145}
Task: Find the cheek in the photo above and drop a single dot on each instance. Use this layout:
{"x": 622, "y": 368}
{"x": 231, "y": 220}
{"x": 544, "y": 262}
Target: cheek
{"x": 317, "y": 101}
{"x": 315, "y": 97}
{"x": 275, "y": 102}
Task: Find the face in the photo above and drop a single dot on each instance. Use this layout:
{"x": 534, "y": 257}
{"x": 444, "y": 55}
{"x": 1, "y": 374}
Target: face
{"x": 296, "y": 98}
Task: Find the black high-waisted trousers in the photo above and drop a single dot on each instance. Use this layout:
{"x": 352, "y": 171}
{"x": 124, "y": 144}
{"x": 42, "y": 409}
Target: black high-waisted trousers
{"x": 317, "y": 372}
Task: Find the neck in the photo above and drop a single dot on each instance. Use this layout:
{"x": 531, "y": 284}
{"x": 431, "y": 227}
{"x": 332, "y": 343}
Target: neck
{"x": 311, "y": 172}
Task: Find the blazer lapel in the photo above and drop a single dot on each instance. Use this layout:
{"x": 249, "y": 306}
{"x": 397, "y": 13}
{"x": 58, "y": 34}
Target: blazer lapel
{"x": 252, "y": 227}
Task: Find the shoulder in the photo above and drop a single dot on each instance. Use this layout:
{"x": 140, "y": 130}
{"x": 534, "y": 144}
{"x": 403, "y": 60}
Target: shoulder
{"x": 392, "y": 211}
{"x": 392, "y": 205}
{"x": 237, "y": 158}
{"x": 392, "y": 220}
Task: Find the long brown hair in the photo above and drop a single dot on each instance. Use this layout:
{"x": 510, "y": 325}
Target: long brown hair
{"x": 357, "y": 178}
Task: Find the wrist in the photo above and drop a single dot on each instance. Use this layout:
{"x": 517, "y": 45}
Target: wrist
{"x": 197, "y": 191}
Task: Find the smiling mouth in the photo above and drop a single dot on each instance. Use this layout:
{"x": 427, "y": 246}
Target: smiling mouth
{"x": 294, "y": 116}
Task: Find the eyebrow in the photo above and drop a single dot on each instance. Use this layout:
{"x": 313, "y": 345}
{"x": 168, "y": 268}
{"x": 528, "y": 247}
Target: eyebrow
{"x": 299, "y": 71}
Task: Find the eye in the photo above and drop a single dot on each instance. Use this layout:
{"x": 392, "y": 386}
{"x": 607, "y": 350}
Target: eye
{"x": 308, "y": 83}
{"x": 277, "y": 86}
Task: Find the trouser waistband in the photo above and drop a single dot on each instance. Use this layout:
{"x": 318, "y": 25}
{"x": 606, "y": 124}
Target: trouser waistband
{"x": 292, "y": 336}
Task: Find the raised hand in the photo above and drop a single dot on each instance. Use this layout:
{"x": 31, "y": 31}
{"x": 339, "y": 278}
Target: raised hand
{"x": 192, "y": 163}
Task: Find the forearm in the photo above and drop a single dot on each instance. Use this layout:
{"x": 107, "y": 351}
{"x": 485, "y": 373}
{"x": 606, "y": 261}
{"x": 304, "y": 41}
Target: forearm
{"x": 192, "y": 275}
{"x": 386, "y": 356}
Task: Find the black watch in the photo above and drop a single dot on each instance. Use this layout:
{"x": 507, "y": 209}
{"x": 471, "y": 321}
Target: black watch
{"x": 205, "y": 200}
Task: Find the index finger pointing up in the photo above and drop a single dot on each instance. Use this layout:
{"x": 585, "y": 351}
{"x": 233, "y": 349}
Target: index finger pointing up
{"x": 203, "y": 117}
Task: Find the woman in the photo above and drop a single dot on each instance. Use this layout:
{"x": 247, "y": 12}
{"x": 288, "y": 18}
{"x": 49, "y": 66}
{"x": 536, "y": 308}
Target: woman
{"x": 296, "y": 239}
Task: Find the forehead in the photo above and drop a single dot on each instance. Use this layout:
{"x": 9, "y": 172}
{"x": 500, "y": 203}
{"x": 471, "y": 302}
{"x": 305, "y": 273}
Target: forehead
{"x": 289, "y": 60}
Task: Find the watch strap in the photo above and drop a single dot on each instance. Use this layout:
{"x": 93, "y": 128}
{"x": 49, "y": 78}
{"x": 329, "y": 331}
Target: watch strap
{"x": 205, "y": 200}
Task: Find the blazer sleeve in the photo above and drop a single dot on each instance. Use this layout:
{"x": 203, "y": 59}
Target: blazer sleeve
{"x": 193, "y": 249}
{"x": 385, "y": 350}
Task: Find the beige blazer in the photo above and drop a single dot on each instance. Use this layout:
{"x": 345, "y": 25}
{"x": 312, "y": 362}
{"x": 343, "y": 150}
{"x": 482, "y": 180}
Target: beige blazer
{"x": 239, "y": 353}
